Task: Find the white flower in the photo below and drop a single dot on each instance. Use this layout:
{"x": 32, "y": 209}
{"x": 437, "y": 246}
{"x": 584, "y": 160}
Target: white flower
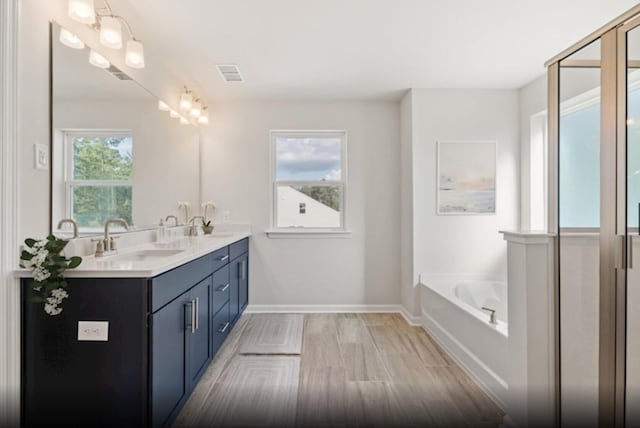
{"x": 40, "y": 274}
{"x": 52, "y": 309}
{"x": 53, "y": 301}
{"x": 59, "y": 294}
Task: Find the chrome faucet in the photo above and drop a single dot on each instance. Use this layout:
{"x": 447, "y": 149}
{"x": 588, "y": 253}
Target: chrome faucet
{"x": 492, "y": 315}
{"x": 173, "y": 217}
{"x": 73, "y": 223}
{"x": 184, "y": 205}
{"x": 206, "y": 206}
{"x": 108, "y": 242}
{"x": 193, "y": 231}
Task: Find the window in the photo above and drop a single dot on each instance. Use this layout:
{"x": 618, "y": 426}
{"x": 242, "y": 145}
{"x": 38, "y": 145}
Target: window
{"x": 98, "y": 177}
{"x": 538, "y": 172}
{"x": 309, "y": 180}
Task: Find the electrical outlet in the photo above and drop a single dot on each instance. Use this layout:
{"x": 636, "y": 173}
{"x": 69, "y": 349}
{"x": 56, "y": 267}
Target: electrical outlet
{"x": 95, "y": 331}
{"x": 40, "y": 156}
{"x": 226, "y": 216}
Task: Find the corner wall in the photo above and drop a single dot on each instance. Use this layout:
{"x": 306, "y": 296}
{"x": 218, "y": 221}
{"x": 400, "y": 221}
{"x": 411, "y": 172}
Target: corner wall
{"x": 363, "y": 269}
{"x": 463, "y": 245}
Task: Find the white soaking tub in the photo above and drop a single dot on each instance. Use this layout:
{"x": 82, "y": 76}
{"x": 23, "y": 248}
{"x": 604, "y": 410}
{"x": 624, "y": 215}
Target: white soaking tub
{"x": 452, "y": 313}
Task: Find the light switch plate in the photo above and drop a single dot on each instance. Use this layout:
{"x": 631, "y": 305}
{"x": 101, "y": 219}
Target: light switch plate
{"x": 40, "y": 156}
{"x": 95, "y": 331}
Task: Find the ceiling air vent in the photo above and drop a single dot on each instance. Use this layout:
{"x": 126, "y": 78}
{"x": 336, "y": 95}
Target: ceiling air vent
{"x": 230, "y": 72}
{"x": 119, "y": 74}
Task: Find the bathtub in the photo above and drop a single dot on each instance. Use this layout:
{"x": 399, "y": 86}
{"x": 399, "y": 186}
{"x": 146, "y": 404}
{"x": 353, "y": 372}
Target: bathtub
{"x": 451, "y": 312}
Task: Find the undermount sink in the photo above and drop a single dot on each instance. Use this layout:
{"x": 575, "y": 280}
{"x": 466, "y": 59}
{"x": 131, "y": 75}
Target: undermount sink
{"x": 144, "y": 255}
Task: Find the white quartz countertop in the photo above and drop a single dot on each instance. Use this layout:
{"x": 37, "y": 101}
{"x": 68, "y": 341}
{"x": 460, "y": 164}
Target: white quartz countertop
{"x": 126, "y": 265}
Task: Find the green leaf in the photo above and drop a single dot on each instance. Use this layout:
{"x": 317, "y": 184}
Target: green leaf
{"x": 74, "y": 262}
{"x": 30, "y": 242}
{"x": 36, "y": 299}
{"x": 26, "y": 256}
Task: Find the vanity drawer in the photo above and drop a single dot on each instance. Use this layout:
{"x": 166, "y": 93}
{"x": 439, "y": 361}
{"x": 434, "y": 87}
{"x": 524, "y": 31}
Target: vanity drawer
{"x": 238, "y": 248}
{"x": 169, "y": 285}
{"x": 221, "y": 288}
{"x": 220, "y": 258}
{"x": 221, "y": 327}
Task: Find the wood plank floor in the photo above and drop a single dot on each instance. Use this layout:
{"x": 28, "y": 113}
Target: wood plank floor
{"x": 356, "y": 370}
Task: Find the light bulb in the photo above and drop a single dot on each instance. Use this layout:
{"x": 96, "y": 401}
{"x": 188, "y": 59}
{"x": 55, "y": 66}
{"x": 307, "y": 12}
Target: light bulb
{"x": 134, "y": 56}
{"x": 110, "y": 32}
{"x": 98, "y": 60}
{"x": 186, "y": 100}
{"x": 82, "y": 11}
{"x": 183, "y": 121}
{"x": 196, "y": 108}
{"x": 204, "y": 117}
{"x": 174, "y": 114}
{"x": 162, "y": 106}
{"x": 69, "y": 39}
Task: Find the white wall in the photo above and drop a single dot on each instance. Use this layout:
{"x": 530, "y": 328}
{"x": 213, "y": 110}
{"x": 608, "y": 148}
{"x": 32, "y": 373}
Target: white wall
{"x": 409, "y": 294}
{"x": 464, "y": 245}
{"x": 532, "y": 100}
{"x": 165, "y": 153}
{"x": 362, "y": 269}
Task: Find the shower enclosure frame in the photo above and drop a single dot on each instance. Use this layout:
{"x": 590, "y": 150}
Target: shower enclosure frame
{"x": 614, "y": 240}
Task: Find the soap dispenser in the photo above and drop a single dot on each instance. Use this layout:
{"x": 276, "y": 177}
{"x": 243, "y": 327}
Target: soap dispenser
{"x": 162, "y": 232}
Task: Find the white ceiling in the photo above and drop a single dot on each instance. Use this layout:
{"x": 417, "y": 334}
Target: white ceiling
{"x": 362, "y": 49}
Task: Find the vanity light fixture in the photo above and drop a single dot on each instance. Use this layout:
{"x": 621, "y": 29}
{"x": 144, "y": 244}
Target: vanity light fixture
{"x": 110, "y": 27}
{"x": 183, "y": 121}
{"x": 174, "y": 114}
{"x": 162, "y": 106}
{"x": 110, "y": 32}
{"x": 134, "y": 55}
{"x": 98, "y": 60}
{"x": 196, "y": 108}
{"x": 82, "y": 11}
{"x": 204, "y": 117}
{"x": 69, "y": 39}
{"x": 186, "y": 99}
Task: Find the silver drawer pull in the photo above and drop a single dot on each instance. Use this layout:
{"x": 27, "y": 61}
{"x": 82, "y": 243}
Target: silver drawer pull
{"x": 223, "y": 288}
{"x": 192, "y": 307}
{"x": 223, "y": 258}
{"x": 223, "y": 328}
{"x": 197, "y": 313}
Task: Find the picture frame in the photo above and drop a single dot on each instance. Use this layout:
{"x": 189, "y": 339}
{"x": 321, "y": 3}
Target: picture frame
{"x": 466, "y": 179}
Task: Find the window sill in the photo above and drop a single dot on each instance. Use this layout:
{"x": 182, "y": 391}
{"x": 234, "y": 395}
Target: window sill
{"x": 308, "y": 234}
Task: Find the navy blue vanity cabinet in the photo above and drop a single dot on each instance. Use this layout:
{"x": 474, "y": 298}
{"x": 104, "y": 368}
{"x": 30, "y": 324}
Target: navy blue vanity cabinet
{"x": 199, "y": 336}
{"x": 239, "y": 278}
{"x": 162, "y": 334}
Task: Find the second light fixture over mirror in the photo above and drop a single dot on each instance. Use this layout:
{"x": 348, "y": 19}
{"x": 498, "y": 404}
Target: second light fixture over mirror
{"x": 109, "y": 25}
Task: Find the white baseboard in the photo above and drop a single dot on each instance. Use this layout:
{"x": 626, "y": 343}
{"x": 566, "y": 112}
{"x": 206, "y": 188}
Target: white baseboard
{"x": 331, "y": 309}
{"x": 494, "y": 386}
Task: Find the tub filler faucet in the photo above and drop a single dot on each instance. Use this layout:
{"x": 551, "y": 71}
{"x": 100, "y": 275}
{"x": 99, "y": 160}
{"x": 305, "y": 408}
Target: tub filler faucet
{"x": 492, "y": 315}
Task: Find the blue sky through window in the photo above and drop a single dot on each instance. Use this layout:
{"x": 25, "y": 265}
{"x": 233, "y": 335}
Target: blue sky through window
{"x": 316, "y": 159}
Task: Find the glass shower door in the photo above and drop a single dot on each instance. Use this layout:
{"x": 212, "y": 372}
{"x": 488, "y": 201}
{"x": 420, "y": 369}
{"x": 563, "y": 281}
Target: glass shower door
{"x": 632, "y": 122}
{"x": 579, "y": 227}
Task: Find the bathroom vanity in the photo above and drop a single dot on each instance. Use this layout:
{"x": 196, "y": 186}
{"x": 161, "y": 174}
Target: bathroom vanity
{"x": 136, "y": 334}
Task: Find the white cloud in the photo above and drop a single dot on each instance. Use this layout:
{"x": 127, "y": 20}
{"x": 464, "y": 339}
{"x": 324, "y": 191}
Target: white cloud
{"x": 334, "y": 175}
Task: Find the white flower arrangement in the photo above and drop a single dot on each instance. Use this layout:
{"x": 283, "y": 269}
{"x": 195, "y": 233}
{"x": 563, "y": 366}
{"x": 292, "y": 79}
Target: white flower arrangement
{"x": 42, "y": 257}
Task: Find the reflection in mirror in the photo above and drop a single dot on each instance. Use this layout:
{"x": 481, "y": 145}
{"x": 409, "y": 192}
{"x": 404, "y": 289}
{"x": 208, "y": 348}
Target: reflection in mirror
{"x": 114, "y": 154}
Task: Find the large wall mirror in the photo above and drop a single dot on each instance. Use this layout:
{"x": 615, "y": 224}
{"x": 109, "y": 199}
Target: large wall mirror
{"x": 113, "y": 153}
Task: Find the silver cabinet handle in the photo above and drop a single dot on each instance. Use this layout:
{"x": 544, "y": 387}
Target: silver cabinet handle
{"x": 191, "y": 326}
{"x": 223, "y": 258}
{"x": 223, "y": 288}
{"x": 197, "y": 322}
{"x": 223, "y": 328}
{"x": 243, "y": 270}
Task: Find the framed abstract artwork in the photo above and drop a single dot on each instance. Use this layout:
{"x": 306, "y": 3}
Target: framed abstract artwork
{"x": 466, "y": 183}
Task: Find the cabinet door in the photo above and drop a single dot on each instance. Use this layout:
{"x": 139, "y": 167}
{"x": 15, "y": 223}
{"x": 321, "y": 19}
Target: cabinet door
{"x": 243, "y": 282}
{"x": 234, "y": 282}
{"x": 199, "y": 336}
{"x": 168, "y": 355}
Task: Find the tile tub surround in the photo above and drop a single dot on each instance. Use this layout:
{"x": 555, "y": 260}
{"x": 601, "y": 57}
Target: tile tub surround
{"x": 118, "y": 266}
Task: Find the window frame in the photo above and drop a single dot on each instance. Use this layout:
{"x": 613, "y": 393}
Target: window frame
{"x": 301, "y": 231}
{"x": 70, "y": 183}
